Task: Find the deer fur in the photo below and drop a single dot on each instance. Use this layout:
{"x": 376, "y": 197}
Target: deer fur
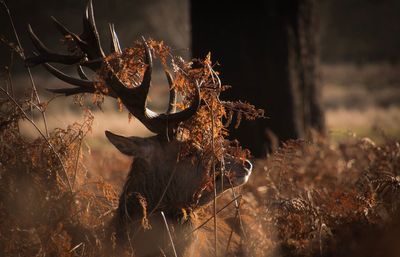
{"x": 146, "y": 193}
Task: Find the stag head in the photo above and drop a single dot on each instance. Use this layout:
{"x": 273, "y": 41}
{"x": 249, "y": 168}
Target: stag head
{"x": 160, "y": 179}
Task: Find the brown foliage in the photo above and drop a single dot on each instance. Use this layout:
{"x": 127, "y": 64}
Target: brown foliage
{"x": 321, "y": 198}
{"x": 48, "y": 205}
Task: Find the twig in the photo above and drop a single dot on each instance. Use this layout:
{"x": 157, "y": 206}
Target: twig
{"x": 77, "y": 161}
{"x": 169, "y": 233}
{"x": 214, "y": 181}
{"x": 131, "y": 248}
{"x": 213, "y": 165}
{"x": 77, "y": 246}
{"x": 34, "y": 90}
{"x": 210, "y": 218}
{"x": 230, "y": 237}
{"x": 41, "y": 133}
{"x": 237, "y": 206}
{"x": 9, "y": 73}
{"x": 237, "y": 215}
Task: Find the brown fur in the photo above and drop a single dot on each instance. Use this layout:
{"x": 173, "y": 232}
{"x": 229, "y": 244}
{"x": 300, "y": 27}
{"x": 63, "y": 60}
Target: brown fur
{"x": 160, "y": 181}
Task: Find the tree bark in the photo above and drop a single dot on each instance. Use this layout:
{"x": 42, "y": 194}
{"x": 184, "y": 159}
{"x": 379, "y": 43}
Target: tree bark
{"x": 268, "y": 51}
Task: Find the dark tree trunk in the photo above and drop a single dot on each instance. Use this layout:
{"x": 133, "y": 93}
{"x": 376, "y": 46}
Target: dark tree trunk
{"x": 268, "y": 52}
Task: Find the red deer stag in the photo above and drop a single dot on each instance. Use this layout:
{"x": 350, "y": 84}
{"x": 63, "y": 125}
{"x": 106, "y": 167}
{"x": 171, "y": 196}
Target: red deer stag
{"x": 168, "y": 184}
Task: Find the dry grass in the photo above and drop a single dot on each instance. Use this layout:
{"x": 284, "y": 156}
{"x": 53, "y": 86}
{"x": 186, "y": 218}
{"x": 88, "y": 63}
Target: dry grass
{"x": 376, "y": 123}
{"x": 362, "y": 99}
{"x": 308, "y": 198}
{"x": 49, "y": 205}
{"x": 318, "y": 198}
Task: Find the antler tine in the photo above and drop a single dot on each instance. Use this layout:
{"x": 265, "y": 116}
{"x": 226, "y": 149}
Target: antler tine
{"x": 166, "y": 123}
{"x": 71, "y": 90}
{"x": 62, "y": 29}
{"x": 172, "y": 94}
{"x": 89, "y": 40}
{"x": 178, "y": 117}
{"x": 81, "y": 73}
{"x": 95, "y": 60}
{"x": 148, "y": 60}
{"x": 46, "y": 55}
{"x": 66, "y": 32}
{"x": 115, "y": 46}
{"x": 90, "y": 34}
{"x": 66, "y": 78}
{"x": 83, "y": 85}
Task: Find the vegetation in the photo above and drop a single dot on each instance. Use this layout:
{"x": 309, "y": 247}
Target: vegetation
{"x": 310, "y": 197}
{"x": 319, "y": 198}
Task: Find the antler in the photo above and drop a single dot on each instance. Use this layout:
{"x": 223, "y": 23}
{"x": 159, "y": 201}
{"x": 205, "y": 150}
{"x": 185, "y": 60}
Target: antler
{"x": 90, "y": 54}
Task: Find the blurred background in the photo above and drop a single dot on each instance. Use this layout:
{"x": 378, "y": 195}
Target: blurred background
{"x": 330, "y": 66}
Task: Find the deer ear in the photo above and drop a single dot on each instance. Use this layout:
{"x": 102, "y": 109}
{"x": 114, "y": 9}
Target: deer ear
{"x": 126, "y": 145}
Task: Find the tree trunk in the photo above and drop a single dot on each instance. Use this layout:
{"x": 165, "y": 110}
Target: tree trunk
{"x": 268, "y": 52}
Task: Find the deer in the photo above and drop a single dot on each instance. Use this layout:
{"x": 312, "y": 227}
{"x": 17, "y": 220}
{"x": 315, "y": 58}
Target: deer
{"x": 162, "y": 192}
